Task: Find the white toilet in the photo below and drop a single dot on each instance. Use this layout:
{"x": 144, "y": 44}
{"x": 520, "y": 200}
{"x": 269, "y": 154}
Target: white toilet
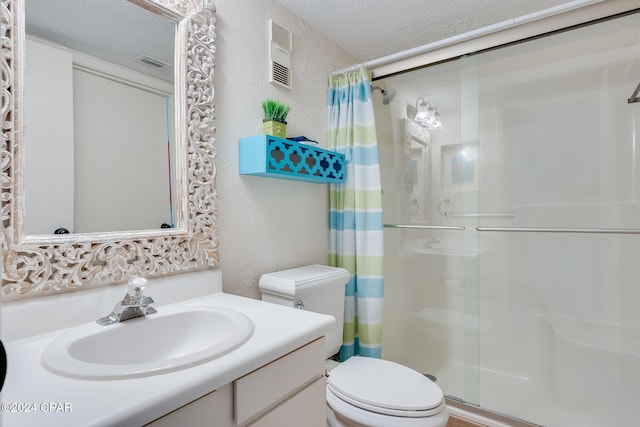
{"x": 361, "y": 391}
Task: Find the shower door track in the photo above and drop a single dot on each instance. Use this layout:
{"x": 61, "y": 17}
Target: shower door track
{"x": 426, "y": 227}
{"x": 561, "y": 230}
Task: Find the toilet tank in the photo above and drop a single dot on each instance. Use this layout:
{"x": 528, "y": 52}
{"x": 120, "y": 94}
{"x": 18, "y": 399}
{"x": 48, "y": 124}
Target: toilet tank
{"x": 317, "y": 288}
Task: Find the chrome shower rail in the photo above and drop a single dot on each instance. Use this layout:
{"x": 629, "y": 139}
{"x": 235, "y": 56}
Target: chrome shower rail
{"x": 561, "y": 230}
{"x": 480, "y": 214}
{"x": 426, "y": 227}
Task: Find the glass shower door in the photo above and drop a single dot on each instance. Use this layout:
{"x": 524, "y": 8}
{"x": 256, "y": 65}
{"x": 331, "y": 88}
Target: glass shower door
{"x": 558, "y": 289}
{"x": 430, "y": 195}
{"x": 529, "y": 306}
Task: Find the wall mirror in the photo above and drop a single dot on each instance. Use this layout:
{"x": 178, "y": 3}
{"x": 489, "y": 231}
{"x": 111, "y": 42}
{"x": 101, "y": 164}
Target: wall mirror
{"x": 418, "y": 171}
{"x": 98, "y": 112}
{"x": 40, "y": 263}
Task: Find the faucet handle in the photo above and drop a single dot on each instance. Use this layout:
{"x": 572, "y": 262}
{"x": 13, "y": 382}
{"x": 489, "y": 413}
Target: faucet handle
{"x": 137, "y": 286}
{"x": 134, "y": 304}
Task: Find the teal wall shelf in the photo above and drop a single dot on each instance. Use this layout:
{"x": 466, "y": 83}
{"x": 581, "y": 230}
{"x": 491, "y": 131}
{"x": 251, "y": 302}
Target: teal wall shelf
{"x": 273, "y": 157}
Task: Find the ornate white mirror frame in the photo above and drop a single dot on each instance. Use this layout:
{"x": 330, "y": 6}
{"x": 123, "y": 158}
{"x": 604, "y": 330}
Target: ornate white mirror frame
{"x": 41, "y": 265}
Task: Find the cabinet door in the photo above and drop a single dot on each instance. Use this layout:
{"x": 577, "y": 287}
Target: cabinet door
{"x": 211, "y": 410}
{"x": 265, "y": 388}
{"x": 305, "y": 408}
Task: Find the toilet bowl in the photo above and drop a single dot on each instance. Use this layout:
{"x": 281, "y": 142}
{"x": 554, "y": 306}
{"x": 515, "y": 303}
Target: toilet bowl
{"x": 362, "y": 391}
{"x": 378, "y": 393}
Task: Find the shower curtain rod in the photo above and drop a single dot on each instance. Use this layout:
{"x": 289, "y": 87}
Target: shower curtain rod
{"x": 350, "y": 68}
{"x": 490, "y": 29}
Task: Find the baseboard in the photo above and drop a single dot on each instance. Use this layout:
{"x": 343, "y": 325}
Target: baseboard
{"x": 460, "y": 422}
{"x": 466, "y": 415}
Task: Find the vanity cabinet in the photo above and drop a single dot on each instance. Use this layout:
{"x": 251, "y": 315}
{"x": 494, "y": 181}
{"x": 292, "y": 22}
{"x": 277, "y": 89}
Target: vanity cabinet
{"x": 213, "y": 409}
{"x": 288, "y": 391}
{"x": 286, "y": 388}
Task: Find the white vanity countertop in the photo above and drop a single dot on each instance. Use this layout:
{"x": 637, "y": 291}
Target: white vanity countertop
{"x": 32, "y": 396}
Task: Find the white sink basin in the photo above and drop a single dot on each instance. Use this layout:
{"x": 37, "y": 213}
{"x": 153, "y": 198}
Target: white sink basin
{"x": 172, "y": 339}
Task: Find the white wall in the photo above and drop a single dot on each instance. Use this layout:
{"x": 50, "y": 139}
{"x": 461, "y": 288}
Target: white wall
{"x": 49, "y": 172}
{"x": 268, "y": 224}
{"x": 122, "y": 177}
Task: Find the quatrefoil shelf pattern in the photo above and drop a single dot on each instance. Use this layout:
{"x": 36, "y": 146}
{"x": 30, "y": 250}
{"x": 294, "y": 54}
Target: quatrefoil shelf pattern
{"x": 270, "y": 156}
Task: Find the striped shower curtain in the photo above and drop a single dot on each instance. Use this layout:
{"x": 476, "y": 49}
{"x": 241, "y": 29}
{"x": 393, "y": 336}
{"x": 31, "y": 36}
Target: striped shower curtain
{"x": 356, "y": 235}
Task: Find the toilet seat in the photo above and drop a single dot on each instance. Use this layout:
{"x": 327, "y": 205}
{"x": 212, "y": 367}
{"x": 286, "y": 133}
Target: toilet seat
{"x": 386, "y": 388}
{"x": 342, "y": 414}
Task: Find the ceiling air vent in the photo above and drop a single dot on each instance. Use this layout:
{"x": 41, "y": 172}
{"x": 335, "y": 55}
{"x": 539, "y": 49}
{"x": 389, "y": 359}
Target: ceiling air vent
{"x": 152, "y": 62}
{"x": 280, "y": 47}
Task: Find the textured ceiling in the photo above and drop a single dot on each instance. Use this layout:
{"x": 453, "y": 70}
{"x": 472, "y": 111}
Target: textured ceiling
{"x": 366, "y": 29}
{"x": 114, "y": 30}
{"x": 371, "y": 29}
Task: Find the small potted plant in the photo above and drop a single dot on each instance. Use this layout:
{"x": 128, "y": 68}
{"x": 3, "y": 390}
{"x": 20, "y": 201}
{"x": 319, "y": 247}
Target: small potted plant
{"x": 275, "y": 118}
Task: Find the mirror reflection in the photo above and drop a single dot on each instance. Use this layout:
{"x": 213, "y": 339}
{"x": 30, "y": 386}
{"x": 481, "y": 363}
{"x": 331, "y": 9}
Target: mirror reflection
{"x": 99, "y": 117}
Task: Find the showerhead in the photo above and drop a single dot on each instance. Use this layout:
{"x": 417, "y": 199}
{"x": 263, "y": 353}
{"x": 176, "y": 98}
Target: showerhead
{"x": 387, "y": 95}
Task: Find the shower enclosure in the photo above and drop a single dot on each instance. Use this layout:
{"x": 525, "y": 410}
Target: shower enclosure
{"x": 512, "y": 247}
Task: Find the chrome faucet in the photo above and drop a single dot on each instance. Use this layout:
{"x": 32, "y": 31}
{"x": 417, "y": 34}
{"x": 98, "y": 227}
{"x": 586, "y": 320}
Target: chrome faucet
{"x": 134, "y": 304}
{"x": 431, "y": 243}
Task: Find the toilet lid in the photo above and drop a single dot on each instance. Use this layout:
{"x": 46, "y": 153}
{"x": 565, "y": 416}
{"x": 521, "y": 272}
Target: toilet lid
{"x": 385, "y": 387}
